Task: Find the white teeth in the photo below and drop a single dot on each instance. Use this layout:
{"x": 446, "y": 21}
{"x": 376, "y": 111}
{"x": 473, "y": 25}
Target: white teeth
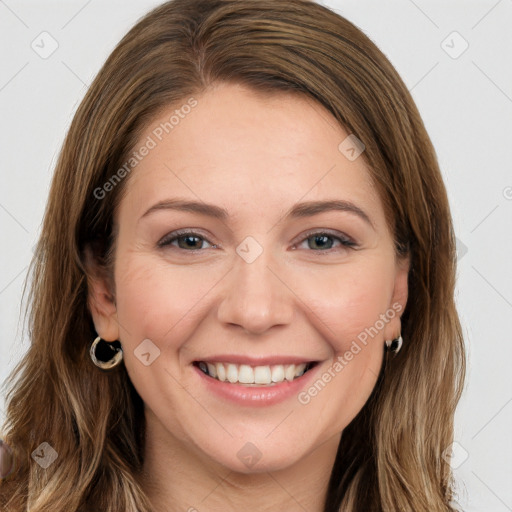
{"x": 299, "y": 369}
{"x": 232, "y": 373}
{"x": 212, "y": 370}
{"x": 278, "y": 373}
{"x": 262, "y": 375}
{"x": 245, "y": 374}
{"x": 289, "y": 372}
{"x": 221, "y": 372}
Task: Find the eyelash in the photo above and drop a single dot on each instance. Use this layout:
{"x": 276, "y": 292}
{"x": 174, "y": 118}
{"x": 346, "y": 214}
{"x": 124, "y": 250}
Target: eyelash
{"x": 346, "y": 242}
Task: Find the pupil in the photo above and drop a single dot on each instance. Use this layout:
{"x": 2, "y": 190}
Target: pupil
{"x": 189, "y": 240}
{"x": 317, "y": 238}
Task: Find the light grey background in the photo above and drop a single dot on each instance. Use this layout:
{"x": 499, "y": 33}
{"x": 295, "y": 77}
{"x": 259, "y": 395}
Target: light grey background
{"x": 465, "y": 98}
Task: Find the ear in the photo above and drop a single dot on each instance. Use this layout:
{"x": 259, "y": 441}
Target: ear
{"x": 399, "y": 297}
{"x": 100, "y": 299}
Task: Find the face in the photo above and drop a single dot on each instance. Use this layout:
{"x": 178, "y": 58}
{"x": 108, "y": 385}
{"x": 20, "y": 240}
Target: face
{"x": 255, "y": 280}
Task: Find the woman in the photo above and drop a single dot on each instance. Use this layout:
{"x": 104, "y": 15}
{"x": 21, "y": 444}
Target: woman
{"x": 243, "y": 292}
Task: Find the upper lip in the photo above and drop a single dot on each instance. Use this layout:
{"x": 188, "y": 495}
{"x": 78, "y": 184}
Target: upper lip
{"x": 255, "y": 361}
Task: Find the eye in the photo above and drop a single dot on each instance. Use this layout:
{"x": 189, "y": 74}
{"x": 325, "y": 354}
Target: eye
{"x": 321, "y": 241}
{"x": 186, "y": 240}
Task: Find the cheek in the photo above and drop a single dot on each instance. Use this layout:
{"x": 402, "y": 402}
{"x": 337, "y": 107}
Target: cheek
{"x": 160, "y": 303}
{"x": 348, "y": 307}
{"x": 347, "y": 302}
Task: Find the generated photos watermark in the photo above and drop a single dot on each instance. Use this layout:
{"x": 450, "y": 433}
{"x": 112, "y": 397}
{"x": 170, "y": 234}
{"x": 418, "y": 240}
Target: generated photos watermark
{"x": 305, "y": 397}
{"x": 150, "y": 143}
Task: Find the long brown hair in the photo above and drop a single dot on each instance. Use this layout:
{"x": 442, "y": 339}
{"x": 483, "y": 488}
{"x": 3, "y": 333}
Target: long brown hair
{"x": 390, "y": 457}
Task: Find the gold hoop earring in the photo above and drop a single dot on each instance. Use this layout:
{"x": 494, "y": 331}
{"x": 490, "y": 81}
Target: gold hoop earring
{"x": 106, "y": 355}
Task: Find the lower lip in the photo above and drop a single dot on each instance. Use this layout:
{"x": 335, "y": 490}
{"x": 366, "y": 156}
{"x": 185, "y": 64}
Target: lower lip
{"x": 255, "y": 396}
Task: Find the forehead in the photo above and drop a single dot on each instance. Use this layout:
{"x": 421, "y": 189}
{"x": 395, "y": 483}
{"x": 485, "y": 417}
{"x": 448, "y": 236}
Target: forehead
{"x": 243, "y": 149}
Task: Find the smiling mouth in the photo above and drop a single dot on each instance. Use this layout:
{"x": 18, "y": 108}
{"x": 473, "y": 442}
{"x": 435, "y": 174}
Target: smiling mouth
{"x": 266, "y": 375}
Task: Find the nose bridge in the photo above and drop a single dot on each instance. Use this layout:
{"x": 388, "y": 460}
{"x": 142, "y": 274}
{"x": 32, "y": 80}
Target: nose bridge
{"x": 255, "y": 298}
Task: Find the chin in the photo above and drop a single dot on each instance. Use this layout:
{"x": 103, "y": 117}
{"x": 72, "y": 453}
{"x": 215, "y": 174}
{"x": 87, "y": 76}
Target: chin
{"x": 256, "y": 464}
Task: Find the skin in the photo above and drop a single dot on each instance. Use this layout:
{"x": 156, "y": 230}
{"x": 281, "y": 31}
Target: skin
{"x": 256, "y": 156}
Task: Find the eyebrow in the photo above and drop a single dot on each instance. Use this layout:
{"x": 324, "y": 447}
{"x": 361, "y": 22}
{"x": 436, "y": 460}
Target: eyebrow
{"x": 299, "y": 210}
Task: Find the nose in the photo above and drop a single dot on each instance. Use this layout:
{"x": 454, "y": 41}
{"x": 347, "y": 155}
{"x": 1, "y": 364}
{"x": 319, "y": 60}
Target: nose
{"x": 255, "y": 297}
